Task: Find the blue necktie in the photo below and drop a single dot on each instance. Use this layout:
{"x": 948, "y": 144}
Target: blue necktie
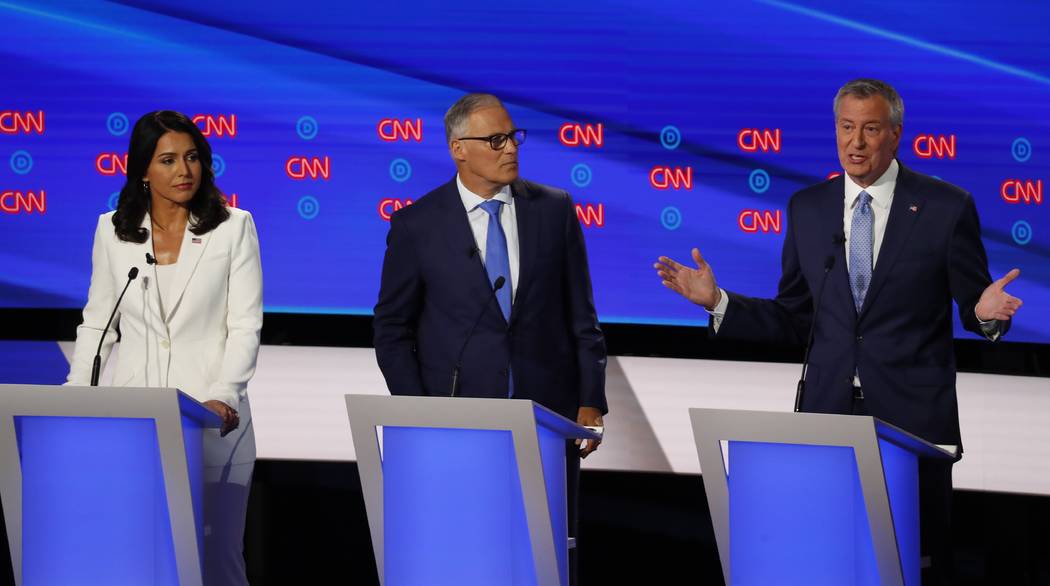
{"x": 497, "y": 260}
{"x": 861, "y": 248}
{"x": 497, "y": 264}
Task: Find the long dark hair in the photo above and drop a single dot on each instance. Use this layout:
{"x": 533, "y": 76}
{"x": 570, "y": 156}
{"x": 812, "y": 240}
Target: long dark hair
{"x": 208, "y": 206}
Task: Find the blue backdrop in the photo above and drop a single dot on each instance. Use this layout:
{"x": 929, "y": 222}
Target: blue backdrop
{"x": 712, "y": 114}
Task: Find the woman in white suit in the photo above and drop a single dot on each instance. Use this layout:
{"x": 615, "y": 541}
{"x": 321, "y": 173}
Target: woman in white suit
{"x": 191, "y": 320}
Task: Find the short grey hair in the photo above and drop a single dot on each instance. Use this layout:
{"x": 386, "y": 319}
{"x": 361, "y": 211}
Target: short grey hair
{"x": 457, "y": 115}
{"x": 865, "y": 88}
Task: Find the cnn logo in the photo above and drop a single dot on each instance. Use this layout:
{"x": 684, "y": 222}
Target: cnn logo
{"x": 575, "y": 135}
{"x": 392, "y": 129}
{"x": 752, "y": 140}
{"x": 929, "y": 146}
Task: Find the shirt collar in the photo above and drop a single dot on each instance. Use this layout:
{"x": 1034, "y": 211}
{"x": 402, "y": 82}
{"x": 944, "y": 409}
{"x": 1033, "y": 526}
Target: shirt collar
{"x": 881, "y": 191}
{"x": 472, "y": 200}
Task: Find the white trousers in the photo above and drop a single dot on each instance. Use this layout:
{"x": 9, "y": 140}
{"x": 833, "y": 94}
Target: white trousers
{"x": 228, "y": 466}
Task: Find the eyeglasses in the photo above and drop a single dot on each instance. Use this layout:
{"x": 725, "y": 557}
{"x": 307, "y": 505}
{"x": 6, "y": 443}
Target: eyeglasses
{"x": 498, "y": 141}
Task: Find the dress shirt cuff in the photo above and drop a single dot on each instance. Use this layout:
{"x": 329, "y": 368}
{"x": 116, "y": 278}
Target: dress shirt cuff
{"x": 990, "y": 328}
{"x": 719, "y": 311}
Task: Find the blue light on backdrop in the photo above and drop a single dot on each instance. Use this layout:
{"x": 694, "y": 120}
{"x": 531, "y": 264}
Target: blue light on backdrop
{"x": 672, "y": 124}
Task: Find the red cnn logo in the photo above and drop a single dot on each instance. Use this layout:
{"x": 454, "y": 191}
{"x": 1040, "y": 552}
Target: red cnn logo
{"x": 388, "y": 206}
{"x": 231, "y": 200}
{"x": 21, "y": 122}
{"x": 667, "y": 177}
{"x": 833, "y": 175}
{"x": 752, "y": 139}
{"x": 111, "y": 163}
{"x": 216, "y": 125}
{"x": 574, "y": 135}
{"x": 591, "y": 215}
{"x": 1015, "y": 190}
{"x": 752, "y": 221}
{"x": 392, "y": 129}
{"x": 303, "y": 167}
{"x": 927, "y": 146}
{"x": 16, "y": 202}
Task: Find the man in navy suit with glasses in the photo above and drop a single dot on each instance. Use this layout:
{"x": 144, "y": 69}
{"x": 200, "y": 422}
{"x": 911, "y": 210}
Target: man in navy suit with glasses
{"x": 537, "y": 336}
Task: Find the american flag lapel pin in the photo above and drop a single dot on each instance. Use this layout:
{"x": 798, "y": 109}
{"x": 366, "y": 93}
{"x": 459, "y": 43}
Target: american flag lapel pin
{"x": 198, "y": 240}
{"x": 913, "y": 208}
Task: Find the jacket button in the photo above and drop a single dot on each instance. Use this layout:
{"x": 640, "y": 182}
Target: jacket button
{"x": 165, "y": 344}
{"x": 860, "y": 338}
{"x": 503, "y": 372}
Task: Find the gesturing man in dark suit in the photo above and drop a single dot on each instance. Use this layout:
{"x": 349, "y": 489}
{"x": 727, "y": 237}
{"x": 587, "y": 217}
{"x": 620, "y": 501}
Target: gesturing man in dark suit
{"x": 539, "y": 338}
{"x": 904, "y": 246}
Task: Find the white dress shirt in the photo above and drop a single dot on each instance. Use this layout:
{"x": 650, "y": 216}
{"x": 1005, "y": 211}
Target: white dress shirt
{"x": 881, "y": 193}
{"x": 479, "y": 225}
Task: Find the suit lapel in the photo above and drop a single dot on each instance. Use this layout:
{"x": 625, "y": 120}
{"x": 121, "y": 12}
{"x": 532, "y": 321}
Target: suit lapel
{"x": 455, "y": 227}
{"x": 904, "y": 210}
{"x": 831, "y": 213}
{"x": 528, "y": 240}
{"x": 190, "y": 253}
{"x": 137, "y": 256}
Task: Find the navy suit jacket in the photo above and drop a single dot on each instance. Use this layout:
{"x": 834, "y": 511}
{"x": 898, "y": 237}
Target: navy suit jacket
{"x": 900, "y": 342}
{"x": 434, "y": 285}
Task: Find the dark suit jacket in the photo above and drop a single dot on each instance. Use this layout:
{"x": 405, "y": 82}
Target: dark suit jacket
{"x": 901, "y": 341}
{"x": 434, "y": 285}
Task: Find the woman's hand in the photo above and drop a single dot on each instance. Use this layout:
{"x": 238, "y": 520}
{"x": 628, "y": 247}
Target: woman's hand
{"x": 230, "y": 419}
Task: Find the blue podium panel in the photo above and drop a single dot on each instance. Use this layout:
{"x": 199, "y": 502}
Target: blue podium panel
{"x": 901, "y": 469}
{"x": 453, "y": 521}
{"x": 94, "y": 509}
{"x": 552, "y": 449}
{"x": 797, "y": 516}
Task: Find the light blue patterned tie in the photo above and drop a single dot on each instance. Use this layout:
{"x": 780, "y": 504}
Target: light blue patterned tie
{"x": 861, "y": 247}
{"x": 497, "y": 264}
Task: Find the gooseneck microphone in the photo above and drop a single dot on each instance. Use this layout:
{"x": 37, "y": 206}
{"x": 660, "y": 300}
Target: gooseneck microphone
{"x": 96, "y": 365}
{"x": 500, "y": 281}
{"x": 829, "y": 263}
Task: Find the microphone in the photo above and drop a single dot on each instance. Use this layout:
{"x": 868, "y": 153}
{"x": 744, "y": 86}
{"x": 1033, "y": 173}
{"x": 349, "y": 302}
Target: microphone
{"x": 500, "y": 281}
{"x": 96, "y": 365}
{"x": 829, "y": 263}
{"x": 473, "y": 251}
{"x": 150, "y": 260}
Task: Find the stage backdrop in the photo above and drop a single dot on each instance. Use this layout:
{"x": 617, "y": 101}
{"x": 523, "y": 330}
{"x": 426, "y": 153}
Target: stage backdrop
{"x": 673, "y": 125}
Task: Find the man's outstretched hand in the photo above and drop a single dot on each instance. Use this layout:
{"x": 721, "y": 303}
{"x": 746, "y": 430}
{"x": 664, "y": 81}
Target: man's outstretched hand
{"x": 697, "y": 285}
{"x": 996, "y": 303}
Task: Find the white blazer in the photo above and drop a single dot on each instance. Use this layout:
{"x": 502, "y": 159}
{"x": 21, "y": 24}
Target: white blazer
{"x": 207, "y": 343}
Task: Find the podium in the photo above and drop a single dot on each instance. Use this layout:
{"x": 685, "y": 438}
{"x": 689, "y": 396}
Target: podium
{"x": 809, "y": 498}
{"x": 102, "y": 485}
{"x": 464, "y": 491}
